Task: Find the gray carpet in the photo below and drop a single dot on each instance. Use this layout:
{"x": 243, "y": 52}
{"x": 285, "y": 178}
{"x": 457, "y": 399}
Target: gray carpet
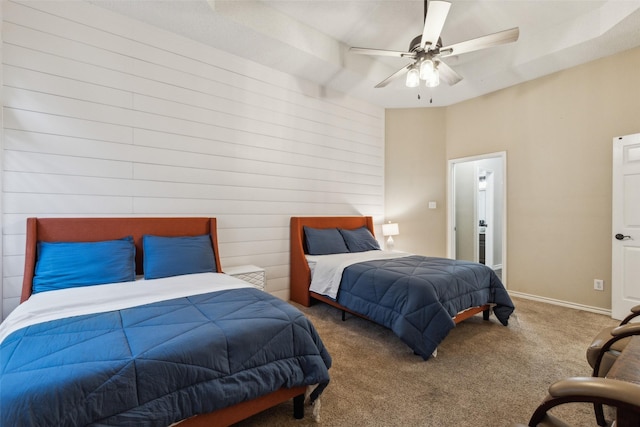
{"x": 485, "y": 374}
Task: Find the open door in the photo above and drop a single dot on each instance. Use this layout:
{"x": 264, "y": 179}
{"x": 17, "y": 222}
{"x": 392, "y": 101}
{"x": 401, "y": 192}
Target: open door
{"x": 625, "y": 259}
{"x": 476, "y": 203}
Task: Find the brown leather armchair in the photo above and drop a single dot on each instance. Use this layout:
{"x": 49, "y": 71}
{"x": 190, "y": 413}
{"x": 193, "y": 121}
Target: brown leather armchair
{"x": 622, "y": 395}
{"x": 607, "y": 355}
{"x": 604, "y": 358}
{"x": 601, "y": 354}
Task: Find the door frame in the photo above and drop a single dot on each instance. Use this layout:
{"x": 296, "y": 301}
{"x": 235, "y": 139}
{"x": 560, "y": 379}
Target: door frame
{"x": 451, "y": 213}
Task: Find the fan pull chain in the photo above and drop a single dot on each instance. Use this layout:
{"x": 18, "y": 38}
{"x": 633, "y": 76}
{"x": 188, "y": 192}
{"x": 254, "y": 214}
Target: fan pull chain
{"x": 430, "y": 99}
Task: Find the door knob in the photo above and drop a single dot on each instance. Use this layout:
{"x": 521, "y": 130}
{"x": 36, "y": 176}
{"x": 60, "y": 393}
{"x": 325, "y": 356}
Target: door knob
{"x": 622, "y": 237}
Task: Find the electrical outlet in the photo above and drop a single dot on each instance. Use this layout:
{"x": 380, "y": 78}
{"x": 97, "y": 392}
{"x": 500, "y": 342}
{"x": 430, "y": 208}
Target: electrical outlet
{"x": 598, "y": 284}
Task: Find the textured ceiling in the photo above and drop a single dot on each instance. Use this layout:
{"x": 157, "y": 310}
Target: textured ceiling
{"x": 310, "y": 39}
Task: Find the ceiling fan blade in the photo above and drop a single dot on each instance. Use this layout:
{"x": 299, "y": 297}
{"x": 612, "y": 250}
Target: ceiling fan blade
{"x": 437, "y": 12}
{"x": 448, "y": 74}
{"x": 382, "y": 52}
{"x": 394, "y": 76}
{"x": 490, "y": 40}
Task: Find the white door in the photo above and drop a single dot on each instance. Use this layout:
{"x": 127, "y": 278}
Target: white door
{"x": 625, "y": 280}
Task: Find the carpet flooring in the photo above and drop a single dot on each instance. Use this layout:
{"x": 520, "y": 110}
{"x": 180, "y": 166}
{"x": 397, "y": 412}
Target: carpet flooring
{"x": 485, "y": 374}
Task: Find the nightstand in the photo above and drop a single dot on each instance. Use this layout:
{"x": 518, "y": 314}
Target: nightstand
{"x": 252, "y": 274}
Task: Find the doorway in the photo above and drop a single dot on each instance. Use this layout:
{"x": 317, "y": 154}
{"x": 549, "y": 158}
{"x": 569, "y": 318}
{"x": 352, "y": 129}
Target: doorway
{"x": 477, "y": 215}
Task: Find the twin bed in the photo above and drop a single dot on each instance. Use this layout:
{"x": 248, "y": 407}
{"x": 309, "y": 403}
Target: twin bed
{"x": 130, "y": 321}
{"x": 337, "y": 260}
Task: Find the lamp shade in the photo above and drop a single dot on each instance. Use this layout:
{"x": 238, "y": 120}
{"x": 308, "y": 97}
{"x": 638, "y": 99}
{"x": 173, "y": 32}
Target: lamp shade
{"x": 390, "y": 229}
{"x": 413, "y": 77}
{"x": 434, "y": 79}
{"x": 427, "y": 69}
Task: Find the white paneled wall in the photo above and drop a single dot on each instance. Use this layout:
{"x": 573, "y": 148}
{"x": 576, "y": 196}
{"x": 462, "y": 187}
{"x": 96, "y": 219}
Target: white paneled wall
{"x": 107, "y": 116}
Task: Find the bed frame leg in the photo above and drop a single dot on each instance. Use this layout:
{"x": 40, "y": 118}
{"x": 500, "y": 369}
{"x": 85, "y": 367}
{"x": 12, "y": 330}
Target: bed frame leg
{"x": 486, "y": 313}
{"x": 344, "y": 315}
{"x": 298, "y": 407}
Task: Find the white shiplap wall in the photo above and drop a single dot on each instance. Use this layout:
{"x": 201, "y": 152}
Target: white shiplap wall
{"x": 107, "y": 116}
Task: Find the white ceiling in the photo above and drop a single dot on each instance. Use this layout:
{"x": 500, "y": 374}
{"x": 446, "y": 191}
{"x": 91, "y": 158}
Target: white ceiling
{"x": 311, "y": 38}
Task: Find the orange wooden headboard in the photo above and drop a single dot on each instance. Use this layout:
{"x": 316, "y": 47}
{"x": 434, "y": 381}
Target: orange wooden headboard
{"x": 300, "y": 275}
{"x": 96, "y": 229}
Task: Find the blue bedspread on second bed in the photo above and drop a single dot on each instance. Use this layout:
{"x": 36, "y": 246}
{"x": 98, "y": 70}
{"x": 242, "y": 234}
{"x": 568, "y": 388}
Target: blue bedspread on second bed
{"x": 159, "y": 363}
{"x": 417, "y": 297}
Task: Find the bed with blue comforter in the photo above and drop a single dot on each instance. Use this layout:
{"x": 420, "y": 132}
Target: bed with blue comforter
{"x": 131, "y": 322}
{"x": 417, "y": 297}
{"x": 156, "y": 364}
{"x": 338, "y": 261}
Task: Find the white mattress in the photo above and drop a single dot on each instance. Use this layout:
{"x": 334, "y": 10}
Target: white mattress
{"x": 326, "y": 270}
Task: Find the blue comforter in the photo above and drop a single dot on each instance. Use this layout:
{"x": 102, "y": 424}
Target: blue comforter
{"x": 417, "y": 297}
{"x": 159, "y": 363}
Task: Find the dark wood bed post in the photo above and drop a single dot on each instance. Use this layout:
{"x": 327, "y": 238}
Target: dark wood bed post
{"x": 29, "y": 259}
{"x": 213, "y": 232}
{"x": 300, "y": 275}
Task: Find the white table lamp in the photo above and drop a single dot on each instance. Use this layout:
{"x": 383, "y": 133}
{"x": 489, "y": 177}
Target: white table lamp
{"x": 390, "y": 229}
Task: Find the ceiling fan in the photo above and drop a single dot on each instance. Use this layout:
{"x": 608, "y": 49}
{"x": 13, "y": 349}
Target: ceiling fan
{"x": 427, "y": 51}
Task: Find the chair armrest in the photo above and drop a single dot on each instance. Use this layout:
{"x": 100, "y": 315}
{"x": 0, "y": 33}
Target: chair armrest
{"x": 626, "y": 330}
{"x": 606, "y": 388}
{"x": 617, "y": 334}
{"x": 635, "y": 312}
{"x": 604, "y": 391}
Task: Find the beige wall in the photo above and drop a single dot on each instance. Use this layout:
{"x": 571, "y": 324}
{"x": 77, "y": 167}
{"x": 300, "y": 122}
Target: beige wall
{"x": 557, "y": 132}
{"x": 415, "y": 167}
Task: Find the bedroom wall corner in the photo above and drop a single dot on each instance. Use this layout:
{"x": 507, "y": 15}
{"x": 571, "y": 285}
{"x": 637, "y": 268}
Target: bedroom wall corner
{"x": 415, "y": 164}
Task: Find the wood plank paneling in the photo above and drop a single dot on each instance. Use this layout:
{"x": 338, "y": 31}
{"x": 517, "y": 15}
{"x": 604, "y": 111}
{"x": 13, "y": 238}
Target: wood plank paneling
{"x": 107, "y": 116}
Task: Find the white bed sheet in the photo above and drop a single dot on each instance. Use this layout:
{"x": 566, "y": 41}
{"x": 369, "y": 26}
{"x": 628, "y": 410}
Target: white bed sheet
{"x": 327, "y": 269}
{"x": 51, "y": 305}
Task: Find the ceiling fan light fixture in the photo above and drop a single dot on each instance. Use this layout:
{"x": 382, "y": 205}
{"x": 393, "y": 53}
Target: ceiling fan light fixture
{"x": 427, "y": 48}
{"x": 413, "y": 77}
{"x": 434, "y": 79}
{"x": 427, "y": 68}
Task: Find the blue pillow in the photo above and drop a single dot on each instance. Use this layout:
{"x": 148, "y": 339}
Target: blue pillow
{"x": 63, "y": 265}
{"x": 359, "y": 240}
{"x": 324, "y": 241}
{"x": 173, "y": 256}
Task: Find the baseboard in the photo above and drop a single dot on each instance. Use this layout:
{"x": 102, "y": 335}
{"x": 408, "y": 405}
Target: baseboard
{"x": 561, "y": 303}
